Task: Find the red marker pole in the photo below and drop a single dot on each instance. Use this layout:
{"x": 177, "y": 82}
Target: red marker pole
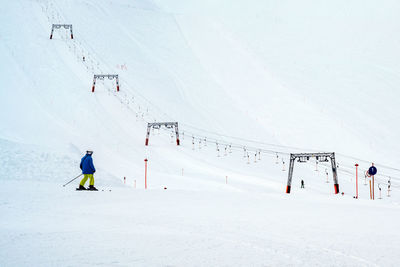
{"x": 356, "y": 180}
{"x": 370, "y": 190}
{"x": 373, "y": 188}
{"x": 145, "y": 173}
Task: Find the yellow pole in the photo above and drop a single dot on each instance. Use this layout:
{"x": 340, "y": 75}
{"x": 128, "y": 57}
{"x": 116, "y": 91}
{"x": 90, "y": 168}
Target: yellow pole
{"x": 370, "y": 190}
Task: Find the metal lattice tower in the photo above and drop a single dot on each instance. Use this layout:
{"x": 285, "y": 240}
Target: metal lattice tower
{"x": 58, "y": 26}
{"x": 102, "y": 77}
{"x": 321, "y": 157}
{"x": 158, "y": 125}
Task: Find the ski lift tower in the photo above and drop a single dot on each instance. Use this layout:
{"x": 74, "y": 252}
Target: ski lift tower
{"x": 321, "y": 157}
{"x": 158, "y": 125}
{"x": 102, "y": 77}
{"x": 58, "y": 26}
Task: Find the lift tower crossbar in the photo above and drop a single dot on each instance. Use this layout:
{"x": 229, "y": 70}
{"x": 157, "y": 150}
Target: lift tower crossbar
{"x": 321, "y": 157}
{"x": 158, "y": 125}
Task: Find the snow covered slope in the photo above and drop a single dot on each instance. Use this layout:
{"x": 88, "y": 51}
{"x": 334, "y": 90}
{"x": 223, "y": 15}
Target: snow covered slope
{"x": 271, "y": 76}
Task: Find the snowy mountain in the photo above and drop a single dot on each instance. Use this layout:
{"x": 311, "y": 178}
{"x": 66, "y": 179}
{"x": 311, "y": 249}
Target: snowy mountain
{"x": 248, "y": 82}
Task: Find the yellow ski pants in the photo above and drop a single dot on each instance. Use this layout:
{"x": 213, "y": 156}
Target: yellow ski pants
{"x": 85, "y": 177}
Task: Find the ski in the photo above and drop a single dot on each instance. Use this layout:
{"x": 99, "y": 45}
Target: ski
{"x": 103, "y": 190}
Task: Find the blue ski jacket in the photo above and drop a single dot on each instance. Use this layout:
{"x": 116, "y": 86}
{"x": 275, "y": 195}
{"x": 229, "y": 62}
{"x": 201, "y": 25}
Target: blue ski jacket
{"x": 87, "y": 166}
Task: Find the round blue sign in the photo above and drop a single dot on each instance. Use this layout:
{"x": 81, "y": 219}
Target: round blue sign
{"x": 372, "y": 170}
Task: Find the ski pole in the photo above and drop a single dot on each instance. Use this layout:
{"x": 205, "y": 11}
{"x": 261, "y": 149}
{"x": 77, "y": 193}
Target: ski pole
{"x": 74, "y": 179}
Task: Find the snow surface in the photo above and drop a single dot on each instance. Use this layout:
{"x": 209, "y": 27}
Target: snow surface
{"x": 275, "y": 76}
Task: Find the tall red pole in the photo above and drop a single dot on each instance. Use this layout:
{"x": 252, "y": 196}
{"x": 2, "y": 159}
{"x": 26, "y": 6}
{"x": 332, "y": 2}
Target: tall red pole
{"x": 370, "y": 190}
{"x": 373, "y": 188}
{"x": 145, "y": 173}
{"x": 356, "y": 180}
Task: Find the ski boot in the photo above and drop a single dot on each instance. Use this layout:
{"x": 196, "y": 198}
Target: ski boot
{"x": 81, "y": 187}
{"x": 92, "y": 188}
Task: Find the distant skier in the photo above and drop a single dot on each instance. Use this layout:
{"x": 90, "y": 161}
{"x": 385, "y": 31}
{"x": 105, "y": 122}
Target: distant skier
{"x": 83, "y": 58}
{"x": 302, "y": 183}
{"x": 88, "y": 170}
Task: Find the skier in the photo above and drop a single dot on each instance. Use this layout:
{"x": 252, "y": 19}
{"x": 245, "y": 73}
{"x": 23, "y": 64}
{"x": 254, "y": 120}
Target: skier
{"x": 88, "y": 170}
{"x": 83, "y": 58}
{"x": 302, "y": 183}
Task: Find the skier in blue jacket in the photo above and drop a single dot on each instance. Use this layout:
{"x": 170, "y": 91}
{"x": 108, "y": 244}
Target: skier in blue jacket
{"x": 88, "y": 170}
